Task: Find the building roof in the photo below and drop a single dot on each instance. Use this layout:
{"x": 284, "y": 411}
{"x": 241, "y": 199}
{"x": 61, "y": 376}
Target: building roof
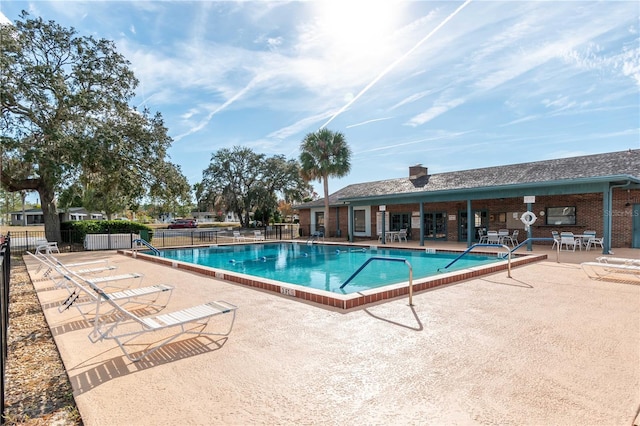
{"x": 28, "y": 211}
{"x": 38, "y": 211}
{"x": 593, "y": 169}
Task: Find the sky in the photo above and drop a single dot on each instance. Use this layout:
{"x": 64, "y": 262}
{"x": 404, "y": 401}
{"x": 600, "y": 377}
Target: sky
{"x": 451, "y": 85}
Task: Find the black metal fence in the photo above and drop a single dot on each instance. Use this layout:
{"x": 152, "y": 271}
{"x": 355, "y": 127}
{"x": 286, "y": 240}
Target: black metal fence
{"x": 74, "y": 241}
{"x": 22, "y": 241}
{"x": 5, "y": 278}
{"x": 202, "y": 236}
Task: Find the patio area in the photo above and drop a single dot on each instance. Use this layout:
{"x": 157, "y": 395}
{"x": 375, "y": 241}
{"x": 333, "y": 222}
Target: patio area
{"x": 547, "y": 346}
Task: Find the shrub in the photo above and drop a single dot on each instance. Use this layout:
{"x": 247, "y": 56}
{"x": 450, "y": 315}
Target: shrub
{"x": 79, "y": 229}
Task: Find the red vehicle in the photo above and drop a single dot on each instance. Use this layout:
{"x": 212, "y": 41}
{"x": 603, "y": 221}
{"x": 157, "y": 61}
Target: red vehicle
{"x": 183, "y": 223}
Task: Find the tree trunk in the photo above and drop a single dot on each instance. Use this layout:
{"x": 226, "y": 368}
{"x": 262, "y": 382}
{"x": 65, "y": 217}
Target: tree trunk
{"x": 325, "y": 180}
{"x": 50, "y": 214}
{"x": 23, "y": 196}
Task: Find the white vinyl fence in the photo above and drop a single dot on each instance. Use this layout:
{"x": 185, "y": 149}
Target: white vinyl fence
{"x": 109, "y": 241}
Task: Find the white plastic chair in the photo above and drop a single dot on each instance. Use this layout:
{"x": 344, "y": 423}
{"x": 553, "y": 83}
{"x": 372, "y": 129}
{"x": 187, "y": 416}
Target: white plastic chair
{"x": 593, "y": 241}
{"x": 47, "y": 247}
{"x": 586, "y": 236}
{"x": 493, "y": 237}
{"x": 568, "y": 240}
{"x": 511, "y": 239}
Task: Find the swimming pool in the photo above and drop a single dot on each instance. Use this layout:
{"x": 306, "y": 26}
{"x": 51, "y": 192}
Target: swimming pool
{"x": 232, "y": 263}
{"x": 324, "y": 267}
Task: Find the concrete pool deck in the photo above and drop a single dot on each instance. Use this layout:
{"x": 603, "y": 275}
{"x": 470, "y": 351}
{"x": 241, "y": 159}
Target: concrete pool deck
{"x": 547, "y": 346}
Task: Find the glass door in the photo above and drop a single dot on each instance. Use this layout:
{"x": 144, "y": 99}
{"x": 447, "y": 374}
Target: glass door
{"x": 401, "y": 221}
{"x": 435, "y": 226}
{"x": 480, "y": 221}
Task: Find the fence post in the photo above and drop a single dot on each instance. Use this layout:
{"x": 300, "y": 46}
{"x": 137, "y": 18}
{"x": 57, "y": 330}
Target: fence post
{"x": 5, "y": 277}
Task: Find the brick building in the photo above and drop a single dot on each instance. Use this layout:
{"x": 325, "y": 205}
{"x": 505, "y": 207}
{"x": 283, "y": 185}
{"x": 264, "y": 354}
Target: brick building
{"x": 595, "y": 192}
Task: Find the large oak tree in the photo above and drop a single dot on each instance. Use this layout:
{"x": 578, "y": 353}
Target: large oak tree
{"x": 67, "y": 127}
{"x": 248, "y": 181}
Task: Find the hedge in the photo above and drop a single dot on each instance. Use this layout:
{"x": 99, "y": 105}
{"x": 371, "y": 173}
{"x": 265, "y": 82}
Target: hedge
{"x": 79, "y": 229}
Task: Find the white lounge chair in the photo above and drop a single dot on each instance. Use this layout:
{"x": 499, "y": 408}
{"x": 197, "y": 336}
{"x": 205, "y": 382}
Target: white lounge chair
{"x": 237, "y": 236}
{"x": 618, "y": 260}
{"x": 257, "y": 235}
{"x": 81, "y": 295}
{"x": 81, "y": 268}
{"x": 47, "y": 265}
{"x": 612, "y": 271}
{"x": 129, "y": 326}
{"x": 82, "y": 289}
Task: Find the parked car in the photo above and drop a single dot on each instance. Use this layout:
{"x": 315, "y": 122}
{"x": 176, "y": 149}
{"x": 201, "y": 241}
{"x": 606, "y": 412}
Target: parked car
{"x": 183, "y": 223}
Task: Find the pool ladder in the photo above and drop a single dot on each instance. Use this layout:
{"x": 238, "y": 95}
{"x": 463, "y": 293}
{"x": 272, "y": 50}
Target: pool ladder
{"x": 389, "y": 259}
{"x": 315, "y": 237}
{"x": 147, "y": 244}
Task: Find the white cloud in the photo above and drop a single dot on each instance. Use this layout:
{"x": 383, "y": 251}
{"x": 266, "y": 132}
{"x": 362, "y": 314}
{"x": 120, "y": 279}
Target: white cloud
{"x": 299, "y": 126}
{"x": 373, "y": 120}
{"x": 411, "y": 99}
{"x": 438, "y": 109}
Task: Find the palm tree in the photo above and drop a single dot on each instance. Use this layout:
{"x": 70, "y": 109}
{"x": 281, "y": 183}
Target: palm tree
{"x": 324, "y": 153}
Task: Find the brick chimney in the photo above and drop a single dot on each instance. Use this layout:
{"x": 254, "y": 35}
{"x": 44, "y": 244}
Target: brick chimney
{"x": 417, "y": 171}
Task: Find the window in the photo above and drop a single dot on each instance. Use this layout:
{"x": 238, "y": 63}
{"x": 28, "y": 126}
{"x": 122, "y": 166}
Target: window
{"x": 400, "y": 221}
{"x": 359, "y": 221}
{"x": 561, "y": 216}
{"x": 319, "y": 220}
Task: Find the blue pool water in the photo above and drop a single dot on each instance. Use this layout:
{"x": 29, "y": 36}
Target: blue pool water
{"x": 324, "y": 267}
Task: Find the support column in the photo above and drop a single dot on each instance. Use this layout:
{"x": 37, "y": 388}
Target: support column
{"x": 383, "y": 233}
{"x": 421, "y": 224}
{"x": 529, "y": 231}
{"x": 607, "y": 208}
{"x": 350, "y": 225}
{"x": 471, "y": 223}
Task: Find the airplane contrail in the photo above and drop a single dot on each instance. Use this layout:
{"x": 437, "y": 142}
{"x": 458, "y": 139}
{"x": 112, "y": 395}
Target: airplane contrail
{"x": 395, "y": 63}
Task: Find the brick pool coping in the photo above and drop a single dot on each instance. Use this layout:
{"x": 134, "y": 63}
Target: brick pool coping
{"x": 346, "y": 301}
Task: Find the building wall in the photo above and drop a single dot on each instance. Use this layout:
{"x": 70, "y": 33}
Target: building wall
{"x": 589, "y": 215}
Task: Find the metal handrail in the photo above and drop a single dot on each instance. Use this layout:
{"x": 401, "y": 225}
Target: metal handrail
{"x": 508, "y": 253}
{"x": 390, "y": 259}
{"x": 540, "y": 239}
{"x": 148, "y": 244}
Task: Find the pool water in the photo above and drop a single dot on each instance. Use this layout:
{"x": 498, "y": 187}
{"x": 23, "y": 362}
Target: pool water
{"x": 324, "y": 267}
